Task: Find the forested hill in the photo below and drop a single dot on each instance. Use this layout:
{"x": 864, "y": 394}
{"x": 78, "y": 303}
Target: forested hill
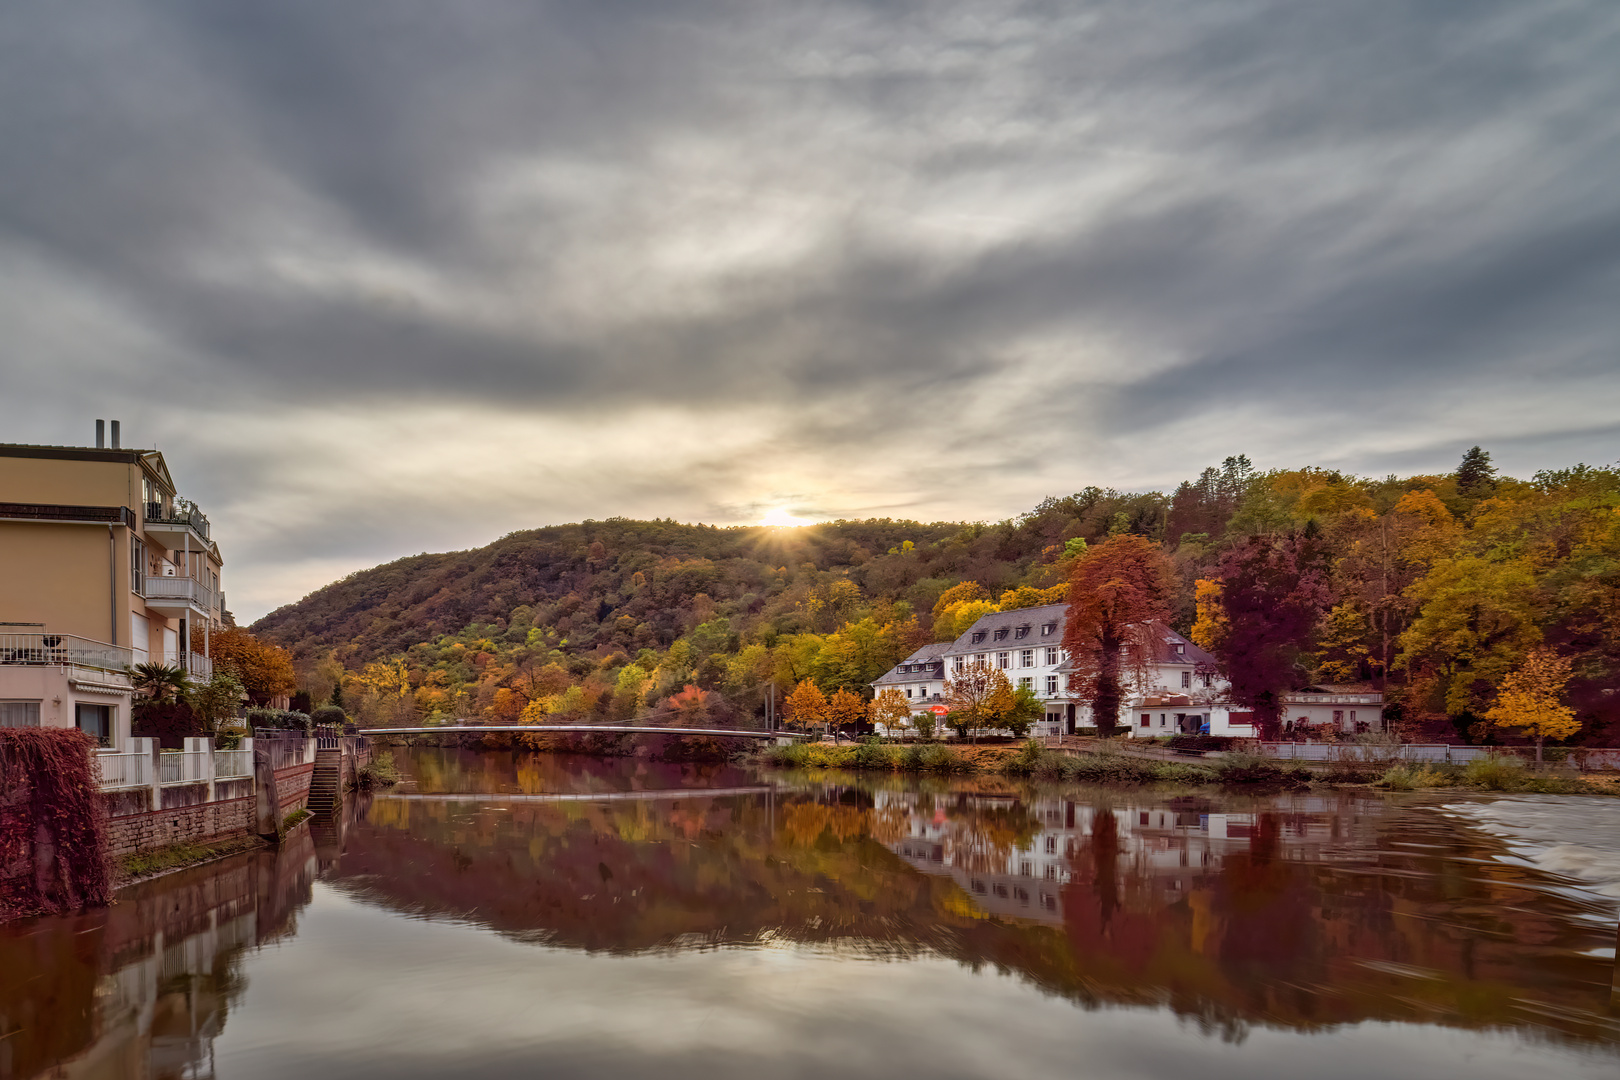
{"x": 623, "y": 585}
{"x": 1433, "y": 587}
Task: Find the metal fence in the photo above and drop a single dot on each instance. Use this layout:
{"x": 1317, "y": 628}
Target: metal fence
{"x": 183, "y": 766}
{"x": 1433, "y": 753}
{"x": 287, "y": 753}
{"x": 124, "y": 770}
{"x": 232, "y": 764}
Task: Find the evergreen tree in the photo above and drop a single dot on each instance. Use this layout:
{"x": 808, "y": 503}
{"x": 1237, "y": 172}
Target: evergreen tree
{"x": 1476, "y": 477}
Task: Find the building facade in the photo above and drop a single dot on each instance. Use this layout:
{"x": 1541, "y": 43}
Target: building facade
{"x": 1026, "y": 645}
{"x": 106, "y": 567}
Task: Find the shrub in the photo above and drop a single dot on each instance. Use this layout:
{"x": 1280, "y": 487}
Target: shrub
{"x": 1405, "y": 777}
{"x": 942, "y": 759}
{"x": 1495, "y": 772}
{"x": 1258, "y": 769}
{"x": 380, "y": 771}
{"x": 871, "y": 754}
{"x": 266, "y": 719}
{"x": 329, "y": 716}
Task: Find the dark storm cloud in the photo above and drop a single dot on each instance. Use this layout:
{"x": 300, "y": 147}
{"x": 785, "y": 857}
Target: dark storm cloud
{"x": 1066, "y": 232}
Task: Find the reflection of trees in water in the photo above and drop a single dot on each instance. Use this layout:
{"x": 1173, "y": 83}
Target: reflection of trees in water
{"x": 1304, "y": 918}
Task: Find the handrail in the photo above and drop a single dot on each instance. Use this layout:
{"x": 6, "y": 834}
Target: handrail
{"x": 39, "y": 649}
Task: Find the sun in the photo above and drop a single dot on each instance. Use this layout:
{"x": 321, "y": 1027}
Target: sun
{"x": 780, "y": 518}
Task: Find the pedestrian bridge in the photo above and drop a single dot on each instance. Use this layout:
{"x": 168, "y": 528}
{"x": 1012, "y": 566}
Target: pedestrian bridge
{"x": 620, "y": 729}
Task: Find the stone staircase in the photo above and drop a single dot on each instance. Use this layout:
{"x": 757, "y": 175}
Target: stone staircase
{"x": 326, "y": 785}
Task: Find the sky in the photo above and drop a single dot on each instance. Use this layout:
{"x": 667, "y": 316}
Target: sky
{"x": 390, "y": 277}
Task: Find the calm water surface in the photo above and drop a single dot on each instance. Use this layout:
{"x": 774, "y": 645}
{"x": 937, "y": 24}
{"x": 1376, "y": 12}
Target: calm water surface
{"x": 522, "y": 915}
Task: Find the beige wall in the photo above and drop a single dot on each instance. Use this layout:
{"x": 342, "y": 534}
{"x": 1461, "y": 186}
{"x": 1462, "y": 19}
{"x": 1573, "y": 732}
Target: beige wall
{"x": 57, "y": 575}
{"x": 70, "y": 483}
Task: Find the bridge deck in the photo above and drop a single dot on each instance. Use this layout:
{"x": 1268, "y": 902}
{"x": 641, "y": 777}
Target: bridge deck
{"x": 546, "y": 729}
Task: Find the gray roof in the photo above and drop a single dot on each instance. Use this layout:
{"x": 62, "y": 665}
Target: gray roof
{"x": 1032, "y": 617}
{"x": 929, "y": 654}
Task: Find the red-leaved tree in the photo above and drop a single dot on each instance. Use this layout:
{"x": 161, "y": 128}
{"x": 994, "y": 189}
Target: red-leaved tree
{"x": 1118, "y": 590}
{"x": 1274, "y": 590}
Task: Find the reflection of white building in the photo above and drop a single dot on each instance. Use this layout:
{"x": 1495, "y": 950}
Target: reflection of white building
{"x": 1165, "y": 845}
{"x": 1026, "y": 645}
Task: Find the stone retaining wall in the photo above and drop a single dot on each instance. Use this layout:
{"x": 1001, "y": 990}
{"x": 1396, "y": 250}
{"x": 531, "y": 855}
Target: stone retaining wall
{"x": 198, "y": 824}
{"x": 292, "y": 787}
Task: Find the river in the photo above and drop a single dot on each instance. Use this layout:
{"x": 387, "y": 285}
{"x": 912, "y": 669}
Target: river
{"x": 522, "y": 914}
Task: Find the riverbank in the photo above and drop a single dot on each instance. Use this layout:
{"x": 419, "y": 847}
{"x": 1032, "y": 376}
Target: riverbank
{"x": 1105, "y": 764}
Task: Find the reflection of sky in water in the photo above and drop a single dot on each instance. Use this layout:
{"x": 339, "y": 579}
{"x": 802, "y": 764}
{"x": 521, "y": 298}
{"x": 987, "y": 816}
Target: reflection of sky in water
{"x": 360, "y": 994}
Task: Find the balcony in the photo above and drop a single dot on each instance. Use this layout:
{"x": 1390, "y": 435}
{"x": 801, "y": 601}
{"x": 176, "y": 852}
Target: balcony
{"x": 168, "y": 525}
{"x": 178, "y": 596}
{"x": 65, "y": 649}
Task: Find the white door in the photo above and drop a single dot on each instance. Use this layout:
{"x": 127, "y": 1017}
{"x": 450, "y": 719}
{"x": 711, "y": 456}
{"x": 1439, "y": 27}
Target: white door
{"x": 171, "y": 647}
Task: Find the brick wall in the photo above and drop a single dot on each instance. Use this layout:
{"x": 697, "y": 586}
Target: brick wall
{"x": 181, "y": 825}
{"x": 292, "y": 787}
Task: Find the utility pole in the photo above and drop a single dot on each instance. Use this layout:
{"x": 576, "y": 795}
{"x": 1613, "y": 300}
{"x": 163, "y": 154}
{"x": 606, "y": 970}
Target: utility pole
{"x": 770, "y": 705}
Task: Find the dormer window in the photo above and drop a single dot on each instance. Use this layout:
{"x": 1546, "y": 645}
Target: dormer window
{"x": 1001, "y": 632}
{"x": 1049, "y": 628}
{"x": 1180, "y": 649}
{"x": 1023, "y": 631}
{"x": 978, "y": 636}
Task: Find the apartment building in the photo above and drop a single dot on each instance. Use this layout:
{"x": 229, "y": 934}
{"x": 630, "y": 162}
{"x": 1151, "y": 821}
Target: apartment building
{"x": 104, "y": 566}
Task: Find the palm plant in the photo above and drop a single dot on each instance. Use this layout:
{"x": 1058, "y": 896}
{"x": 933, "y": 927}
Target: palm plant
{"x": 160, "y": 682}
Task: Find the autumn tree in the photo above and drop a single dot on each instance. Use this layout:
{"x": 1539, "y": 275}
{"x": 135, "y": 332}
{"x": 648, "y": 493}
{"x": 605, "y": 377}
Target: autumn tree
{"x": 1476, "y": 621}
{"x": 1018, "y": 711}
{"x": 1531, "y": 699}
{"x": 1209, "y": 625}
{"x": 264, "y": 670}
{"x": 975, "y": 695}
{"x": 1274, "y": 590}
{"x": 845, "y": 710}
{"x": 806, "y": 706}
{"x": 890, "y": 710}
{"x": 1119, "y": 589}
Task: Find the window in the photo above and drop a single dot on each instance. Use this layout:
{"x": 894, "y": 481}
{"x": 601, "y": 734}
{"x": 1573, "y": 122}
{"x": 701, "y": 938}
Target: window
{"x": 1001, "y": 632}
{"x": 95, "y": 721}
{"x": 1051, "y": 845}
{"x": 1003, "y": 660}
{"x": 1180, "y": 649}
{"x": 1147, "y": 718}
{"x": 1352, "y": 716}
{"x": 908, "y": 691}
{"x": 137, "y": 566}
{"x": 1208, "y": 680}
{"x": 1161, "y": 719}
{"x": 1023, "y": 631}
{"x": 978, "y": 658}
{"x": 1026, "y": 658}
{"x": 1049, "y": 628}
{"x": 961, "y": 662}
{"x": 1052, "y": 657}
{"x": 1338, "y": 717}
{"x": 978, "y": 636}
{"x": 19, "y": 714}
{"x": 1186, "y": 680}
{"x": 1051, "y": 685}
{"x": 1026, "y": 684}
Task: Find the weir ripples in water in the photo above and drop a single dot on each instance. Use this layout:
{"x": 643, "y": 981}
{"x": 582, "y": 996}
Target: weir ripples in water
{"x": 792, "y": 924}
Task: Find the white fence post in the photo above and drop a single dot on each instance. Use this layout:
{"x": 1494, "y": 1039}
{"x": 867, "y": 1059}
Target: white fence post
{"x": 201, "y": 751}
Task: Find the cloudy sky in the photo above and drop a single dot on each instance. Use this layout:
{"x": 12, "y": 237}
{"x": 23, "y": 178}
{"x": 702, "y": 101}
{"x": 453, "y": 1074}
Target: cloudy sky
{"x": 385, "y": 277}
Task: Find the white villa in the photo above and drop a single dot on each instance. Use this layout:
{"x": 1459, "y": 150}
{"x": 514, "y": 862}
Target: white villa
{"x": 1027, "y": 644}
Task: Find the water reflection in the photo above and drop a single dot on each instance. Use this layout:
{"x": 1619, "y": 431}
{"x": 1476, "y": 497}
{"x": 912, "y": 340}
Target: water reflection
{"x": 1287, "y": 913}
{"x": 144, "y": 987}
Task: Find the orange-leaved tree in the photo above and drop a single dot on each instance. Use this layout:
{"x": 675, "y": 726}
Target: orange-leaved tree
{"x": 1530, "y": 699}
{"x": 806, "y": 706}
{"x": 1119, "y": 589}
{"x": 845, "y": 709}
{"x": 976, "y": 695}
{"x": 264, "y": 670}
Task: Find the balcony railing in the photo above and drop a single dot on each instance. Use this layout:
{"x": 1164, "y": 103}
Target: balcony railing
{"x": 184, "y": 589}
{"x": 39, "y": 649}
{"x": 124, "y": 770}
{"x": 182, "y": 515}
{"x": 183, "y": 767}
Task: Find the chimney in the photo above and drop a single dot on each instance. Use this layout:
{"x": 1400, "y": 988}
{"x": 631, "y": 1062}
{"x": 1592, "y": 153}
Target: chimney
{"x": 115, "y": 435}
{"x": 101, "y": 434}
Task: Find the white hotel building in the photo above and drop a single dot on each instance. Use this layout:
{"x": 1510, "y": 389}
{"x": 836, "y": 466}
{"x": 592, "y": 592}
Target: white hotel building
{"x": 1027, "y": 644}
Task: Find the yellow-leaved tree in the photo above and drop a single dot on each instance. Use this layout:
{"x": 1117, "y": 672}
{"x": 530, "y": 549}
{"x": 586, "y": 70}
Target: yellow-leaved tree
{"x": 1209, "y": 630}
{"x": 1530, "y": 699}
{"x": 845, "y": 709}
